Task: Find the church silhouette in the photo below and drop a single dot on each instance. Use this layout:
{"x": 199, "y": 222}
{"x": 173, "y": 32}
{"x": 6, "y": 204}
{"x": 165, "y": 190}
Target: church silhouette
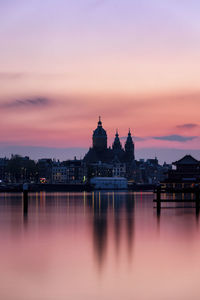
{"x": 100, "y": 152}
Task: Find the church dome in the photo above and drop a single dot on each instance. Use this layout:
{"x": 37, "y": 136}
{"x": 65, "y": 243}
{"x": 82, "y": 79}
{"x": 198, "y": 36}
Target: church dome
{"x": 99, "y": 131}
{"x": 99, "y": 137}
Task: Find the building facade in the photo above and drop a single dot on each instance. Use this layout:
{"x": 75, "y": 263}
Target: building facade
{"x": 59, "y": 173}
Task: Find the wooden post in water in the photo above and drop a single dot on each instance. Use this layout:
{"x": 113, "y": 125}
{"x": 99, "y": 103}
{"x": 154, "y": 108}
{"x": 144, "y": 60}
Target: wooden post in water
{"x": 197, "y": 199}
{"x": 158, "y": 193}
{"x": 25, "y": 198}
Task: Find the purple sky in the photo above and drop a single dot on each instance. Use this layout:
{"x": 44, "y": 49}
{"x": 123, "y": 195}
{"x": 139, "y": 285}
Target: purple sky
{"x": 63, "y": 63}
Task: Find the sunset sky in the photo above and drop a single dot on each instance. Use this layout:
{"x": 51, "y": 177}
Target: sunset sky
{"x": 65, "y": 62}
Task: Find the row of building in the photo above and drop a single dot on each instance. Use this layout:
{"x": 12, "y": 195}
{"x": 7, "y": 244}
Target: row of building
{"x": 21, "y": 169}
{"x": 99, "y": 161}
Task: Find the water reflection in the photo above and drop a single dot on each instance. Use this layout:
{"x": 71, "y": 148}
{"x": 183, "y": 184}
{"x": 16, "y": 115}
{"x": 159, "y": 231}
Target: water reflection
{"x": 100, "y": 224}
{"x": 117, "y": 208}
{"x": 129, "y": 204}
{"x": 56, "y": 242}
{"x": 188, "y": 211}
{"x": 25, "y": 208}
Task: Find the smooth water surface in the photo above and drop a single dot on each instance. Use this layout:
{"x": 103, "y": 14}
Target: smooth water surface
{"x": 106, "y": 245}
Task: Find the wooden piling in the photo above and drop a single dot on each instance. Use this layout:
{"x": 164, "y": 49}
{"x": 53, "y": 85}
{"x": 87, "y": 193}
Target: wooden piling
{"x": 194, "y": 191}
{"x": 25, "y": 199}
{"x": 197, "y": 198}
{"x": 158, "y": 193}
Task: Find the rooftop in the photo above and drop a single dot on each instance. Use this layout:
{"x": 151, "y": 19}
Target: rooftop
{"x": 186, "y": 160}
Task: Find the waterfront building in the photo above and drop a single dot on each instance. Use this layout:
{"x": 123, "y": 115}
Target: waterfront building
{"x": 150, "y": 171}
{"x": 19, "y": 169}
{"x": 44, "y": 167}
{"x": 76, "y": 171}
{"x": 100, "y": 169}
{"x": 118, "y": 168}
{"x": 107, "y": 183}
{"x": 3, "y": 166}
{"x": 59, "y": 173}
{"x": 186, "y": 172}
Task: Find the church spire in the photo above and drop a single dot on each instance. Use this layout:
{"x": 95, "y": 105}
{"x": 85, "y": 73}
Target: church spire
{"x": 117, "y": 144}
{"x": 129, "y": 147}
{"x": 99, "y": 123}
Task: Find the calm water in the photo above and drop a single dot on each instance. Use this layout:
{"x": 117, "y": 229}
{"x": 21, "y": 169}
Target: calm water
{"x": 97, "y": 246}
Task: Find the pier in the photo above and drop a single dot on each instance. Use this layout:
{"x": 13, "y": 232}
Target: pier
{"x": 192, "y": 192}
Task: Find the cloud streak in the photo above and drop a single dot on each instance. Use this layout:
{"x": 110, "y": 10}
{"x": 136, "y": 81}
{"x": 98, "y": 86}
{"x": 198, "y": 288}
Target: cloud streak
{"x": 11, "y": 75}
{"x": 26, "y": 103}
{"x": 175, "y": 138}
{"x": 15, "y": 76}
{"x": 97, "y": 3}
{"x": 187, "y": 126}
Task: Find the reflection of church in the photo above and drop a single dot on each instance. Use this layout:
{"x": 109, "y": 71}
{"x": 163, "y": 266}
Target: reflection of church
{"x": 100, "y": 152}
{"x": 113, "y": 215}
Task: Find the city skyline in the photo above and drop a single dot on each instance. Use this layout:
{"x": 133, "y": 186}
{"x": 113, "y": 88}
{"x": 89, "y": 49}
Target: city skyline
{"x": 63, "y": 64}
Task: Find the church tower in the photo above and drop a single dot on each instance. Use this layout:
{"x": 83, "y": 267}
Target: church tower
{"x": 129, "y": 148}
{"x": 99, "y": 137}
{"x": 117, "y": 144}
